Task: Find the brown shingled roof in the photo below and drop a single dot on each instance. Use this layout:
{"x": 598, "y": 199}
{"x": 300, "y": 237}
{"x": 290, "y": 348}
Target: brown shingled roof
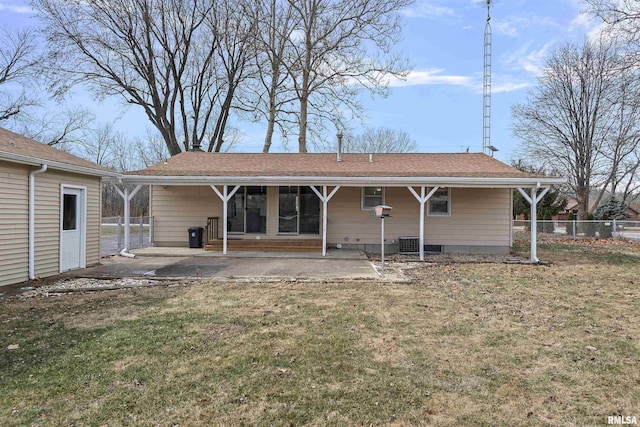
{"x": 194, "y": 163}
{"x": 14, "y": 143}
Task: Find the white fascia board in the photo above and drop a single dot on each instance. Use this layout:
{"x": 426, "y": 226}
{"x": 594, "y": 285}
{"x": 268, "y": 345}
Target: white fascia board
{"x": 52, "y": 164}
{"x": 484, "y": 182}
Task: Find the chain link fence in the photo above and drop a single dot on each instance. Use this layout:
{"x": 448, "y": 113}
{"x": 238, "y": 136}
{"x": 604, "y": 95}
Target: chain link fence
{"x": 576, "y": 230}
{"x": 112, "y": 233}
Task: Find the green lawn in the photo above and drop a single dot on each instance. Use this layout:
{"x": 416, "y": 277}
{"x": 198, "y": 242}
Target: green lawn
{"x": 464, "y": 344}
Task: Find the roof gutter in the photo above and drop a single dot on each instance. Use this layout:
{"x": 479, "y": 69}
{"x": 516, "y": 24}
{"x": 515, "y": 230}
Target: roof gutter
{"x": 67, "y": 167}
{"x": 32, "y": 219}
{"x": 486, "y": 182}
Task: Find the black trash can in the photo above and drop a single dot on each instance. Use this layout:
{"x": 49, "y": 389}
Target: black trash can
{"x": 195, "y": 237}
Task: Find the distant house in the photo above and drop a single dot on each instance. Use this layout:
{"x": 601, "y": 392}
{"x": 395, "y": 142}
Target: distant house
{"x": 50, "y": 210}
{"x": 633, "y": 213}
{"x": 445, "y": 202}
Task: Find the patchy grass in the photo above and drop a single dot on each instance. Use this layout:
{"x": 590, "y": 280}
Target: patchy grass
{"x": 465, "y": 344}
{"x": 582, "y": 251}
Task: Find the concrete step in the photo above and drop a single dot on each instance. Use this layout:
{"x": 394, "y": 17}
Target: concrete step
{"x": 263, "y": 245}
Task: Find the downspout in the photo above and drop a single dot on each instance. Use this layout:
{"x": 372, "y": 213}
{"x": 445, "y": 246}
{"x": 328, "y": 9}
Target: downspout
{"x": 32, "y": 220}
{"x": 127, "y": 220}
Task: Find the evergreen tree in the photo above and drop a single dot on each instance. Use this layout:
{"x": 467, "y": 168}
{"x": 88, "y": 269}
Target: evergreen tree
{"x": 551, "y": 204}
{"x": 611, "y": 208}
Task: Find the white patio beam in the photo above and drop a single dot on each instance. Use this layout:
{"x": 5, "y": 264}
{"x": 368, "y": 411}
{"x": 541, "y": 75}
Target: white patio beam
{"x": 422, "y": 199}
{"x": 533, "y": 201}
{"x": 225, "y": 196}
{"x": 324, "y": 198}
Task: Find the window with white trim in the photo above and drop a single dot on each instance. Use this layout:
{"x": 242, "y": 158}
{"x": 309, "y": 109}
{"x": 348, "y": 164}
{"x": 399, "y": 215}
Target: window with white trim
{"x": 372, "y": 197}
{"x": 440, "y": 202}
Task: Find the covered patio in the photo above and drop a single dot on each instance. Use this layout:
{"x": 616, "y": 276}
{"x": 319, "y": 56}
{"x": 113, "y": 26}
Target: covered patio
{"x": 269, "y": 194}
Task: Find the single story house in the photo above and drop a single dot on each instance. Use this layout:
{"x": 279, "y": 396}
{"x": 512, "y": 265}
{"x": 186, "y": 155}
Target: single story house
{"x": 458, "y": 202}
{"x": 50, "y": 211}
{"x": 632, "y": 211}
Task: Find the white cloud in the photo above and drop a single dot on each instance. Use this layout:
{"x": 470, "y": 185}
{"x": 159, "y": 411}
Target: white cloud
{"x": 429, "y": 9}
{"x": 431, "y": 76}
{"x": 509, "y": 86}
{"x": 581, "y": 21}
{"x": 525, "y": 59}
{"x": 437, "y": 77}
{"x": 504, "y": 28}
{"x": 16, "y": 8}
{"x": 510, "y": 26}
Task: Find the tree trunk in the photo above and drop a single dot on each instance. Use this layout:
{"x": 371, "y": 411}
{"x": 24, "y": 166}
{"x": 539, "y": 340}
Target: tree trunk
{"x": 582, "y": 198}
{"x": 269, "y": 136}
{"x": 302, "y": 135}
{"x": 272, "y": 114}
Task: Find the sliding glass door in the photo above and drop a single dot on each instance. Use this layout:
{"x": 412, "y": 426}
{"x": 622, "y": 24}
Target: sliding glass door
{"x": 247, "y": 210}
{"x": 309, "y": 211}
{"x": 288, "y": 210}
{"x": 235, "y": 212}
{"x": 299, "y": 210}
{"x": 256, "y": 218}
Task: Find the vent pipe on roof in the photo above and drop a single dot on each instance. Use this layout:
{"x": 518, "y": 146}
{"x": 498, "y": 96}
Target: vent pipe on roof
{"x": 196, "y": 146}
{"x": 339, "y": 135}
{"x": 370, "y": 157}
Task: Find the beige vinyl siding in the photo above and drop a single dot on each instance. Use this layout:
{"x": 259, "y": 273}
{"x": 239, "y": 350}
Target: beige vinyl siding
{"x": 47, "y": 208}
{"x": 478, "y": 217}
{"x": 176, "y": 208}
{"x": 14, "y": 223}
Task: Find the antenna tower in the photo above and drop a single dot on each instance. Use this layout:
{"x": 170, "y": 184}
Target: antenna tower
{"x": 486, "y": 88}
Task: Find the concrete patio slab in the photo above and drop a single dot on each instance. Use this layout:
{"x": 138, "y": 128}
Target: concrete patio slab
{"x": 163, "y": 251}
{"x": 229, "y": 267}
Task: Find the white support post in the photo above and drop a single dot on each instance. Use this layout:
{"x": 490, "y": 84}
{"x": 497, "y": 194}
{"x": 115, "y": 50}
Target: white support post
{"x": 127, "y": 215}
{"x": 534, "y": 226}
{"x": 225, "y": 196}
{"x": 533, "y": 201}
{"x": 126, "y": 198}
{"x": 324, "y": 219}
{"x": 422, "y": 199}
{"x": 324, "y": 198}
{"x": 382, "y": 245}
{"x": 225, "y": 219}
{"x": 127, "y": 219}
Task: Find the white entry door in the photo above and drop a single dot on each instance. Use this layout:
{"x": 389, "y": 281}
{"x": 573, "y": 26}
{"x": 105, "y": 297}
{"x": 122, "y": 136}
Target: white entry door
{"x": 72, "y": 228}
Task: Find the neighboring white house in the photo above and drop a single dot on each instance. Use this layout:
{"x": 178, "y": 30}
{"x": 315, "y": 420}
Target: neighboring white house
{"x": 50, "y": 210}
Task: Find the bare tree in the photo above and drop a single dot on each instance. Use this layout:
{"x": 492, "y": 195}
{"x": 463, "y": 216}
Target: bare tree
{"x": 159, "y": 55}
{"x": 17, "y": 60}
{"x": 569, "y": 121}
{"x": 66, "y": 129}
{"x": 622, "y": 16}
{"x": 379, "y": 140}
{"x": 151, "y": 150}
{"x": 100, "y": 144}
{"x": 338, "y": 48}
{"x": 622, "y": 149}
{"x": 272, "y": 90}
{"x": 235, "y": 33}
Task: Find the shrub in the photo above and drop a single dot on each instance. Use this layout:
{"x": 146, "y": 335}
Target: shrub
{"x": 605, "y": 231}
{"x": 569, "y": 227}
{"x": 589, "y": 228}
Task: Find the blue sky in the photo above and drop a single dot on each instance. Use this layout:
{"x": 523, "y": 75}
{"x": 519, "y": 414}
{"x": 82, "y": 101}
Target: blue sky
{"x": 440, "y": 102}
